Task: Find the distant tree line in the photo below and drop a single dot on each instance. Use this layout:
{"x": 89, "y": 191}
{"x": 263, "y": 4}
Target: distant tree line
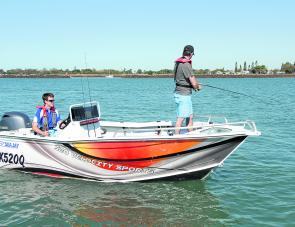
{"x": 253, "y": 68}
{"x": 82, "y": 71}
{"x": 288, "y": 67}
{"x": 256, "y": 68}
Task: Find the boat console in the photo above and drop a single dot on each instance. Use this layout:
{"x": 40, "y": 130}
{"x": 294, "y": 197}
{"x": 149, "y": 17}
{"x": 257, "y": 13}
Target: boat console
{"x": 83, "y": 121}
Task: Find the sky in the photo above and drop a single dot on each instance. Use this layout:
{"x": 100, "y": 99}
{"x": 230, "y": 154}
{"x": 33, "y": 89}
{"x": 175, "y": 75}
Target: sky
{"x": 147, "y": 35}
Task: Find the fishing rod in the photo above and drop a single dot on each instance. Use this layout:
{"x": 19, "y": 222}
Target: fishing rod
{"x": 85, "y": 59}
{"x": 82, "y": 85}
{"x": 89, "y": 93}
{"x": 235, "y": 92}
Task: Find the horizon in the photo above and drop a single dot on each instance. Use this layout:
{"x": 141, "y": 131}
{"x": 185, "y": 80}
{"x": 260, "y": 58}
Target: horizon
{"x": 143, "y": 70}
{"x": 145, "y": 35}
{"x": 240, "y": 65}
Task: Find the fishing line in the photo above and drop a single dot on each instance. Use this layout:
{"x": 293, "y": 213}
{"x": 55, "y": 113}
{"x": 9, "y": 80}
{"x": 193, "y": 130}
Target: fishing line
{"x": 83, "y": 90}
{"x": 84, "y": 99}
{"x": 238, "y": 93}
{"x": 85, "y": 59}
{"x": 89, "y": 93}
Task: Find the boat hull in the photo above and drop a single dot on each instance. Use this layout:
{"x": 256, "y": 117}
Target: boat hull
{"x": 118, "y": 160}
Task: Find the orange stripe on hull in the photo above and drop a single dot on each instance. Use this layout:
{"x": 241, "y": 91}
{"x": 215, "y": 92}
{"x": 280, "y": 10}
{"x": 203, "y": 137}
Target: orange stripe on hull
{"x": 136, "y": 149}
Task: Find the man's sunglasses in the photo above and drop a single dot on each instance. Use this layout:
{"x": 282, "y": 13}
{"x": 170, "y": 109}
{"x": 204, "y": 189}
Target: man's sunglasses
{"x": 50, "y": 100}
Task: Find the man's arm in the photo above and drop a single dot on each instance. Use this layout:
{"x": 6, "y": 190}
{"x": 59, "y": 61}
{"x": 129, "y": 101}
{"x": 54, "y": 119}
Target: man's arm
{"x": 188, "y": 73}
{"x": 37, "y": 130}
{"x": 195, "y": 84}
{"x": 59, "y": 121}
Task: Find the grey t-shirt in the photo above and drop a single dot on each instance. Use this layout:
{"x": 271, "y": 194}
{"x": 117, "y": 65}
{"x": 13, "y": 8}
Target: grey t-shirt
{"x": 184, "y": 72}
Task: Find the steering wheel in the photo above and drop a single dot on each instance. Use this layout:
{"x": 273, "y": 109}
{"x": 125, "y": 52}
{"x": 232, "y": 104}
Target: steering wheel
{"x": 64, "y": 123}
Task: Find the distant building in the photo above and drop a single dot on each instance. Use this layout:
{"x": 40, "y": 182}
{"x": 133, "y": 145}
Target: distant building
{"x": 280, "y": 72}
{"x": 229, "y": 72}
{"x": 245, "y": 72}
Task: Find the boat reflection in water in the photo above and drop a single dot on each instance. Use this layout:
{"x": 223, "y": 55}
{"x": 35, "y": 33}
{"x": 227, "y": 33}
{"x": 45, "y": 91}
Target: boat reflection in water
{"x": 154, "y": 204}
{"x": 76, "y": 202}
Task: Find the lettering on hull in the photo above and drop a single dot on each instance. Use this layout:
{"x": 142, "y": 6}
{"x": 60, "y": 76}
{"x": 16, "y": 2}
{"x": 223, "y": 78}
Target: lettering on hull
{"x": 9, "y": 144}
{"x": 103, "y": 164}
{"x": 12, "y": 158}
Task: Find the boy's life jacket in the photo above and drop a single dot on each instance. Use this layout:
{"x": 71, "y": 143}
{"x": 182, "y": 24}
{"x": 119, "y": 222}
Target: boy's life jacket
{"x": 44, "y": 118}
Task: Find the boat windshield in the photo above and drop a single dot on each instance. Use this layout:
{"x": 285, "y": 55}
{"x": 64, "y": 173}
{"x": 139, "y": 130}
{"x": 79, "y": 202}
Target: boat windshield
{"x": 81, "y": 113}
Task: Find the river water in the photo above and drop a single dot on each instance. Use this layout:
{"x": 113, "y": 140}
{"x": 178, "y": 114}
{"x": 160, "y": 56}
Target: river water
{"x": 255, "y": 186}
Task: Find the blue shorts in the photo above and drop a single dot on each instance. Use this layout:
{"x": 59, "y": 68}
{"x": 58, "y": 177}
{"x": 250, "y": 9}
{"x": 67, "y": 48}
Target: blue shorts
{"x": 184, "y": 106}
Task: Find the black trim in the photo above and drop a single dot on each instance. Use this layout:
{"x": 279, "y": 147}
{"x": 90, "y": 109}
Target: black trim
{"x": 182, "y": 85}
{"x": 185, "y": 176}
{"x": 235, "y": 139}
{"x": 176, "y": 67}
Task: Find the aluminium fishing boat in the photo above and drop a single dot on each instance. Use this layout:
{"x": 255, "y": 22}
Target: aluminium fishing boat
{"x": 91, "y": 149}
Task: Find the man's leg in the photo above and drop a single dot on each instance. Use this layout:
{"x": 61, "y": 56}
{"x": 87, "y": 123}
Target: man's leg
{"x": 189, "y": 122}
{"x": 178, "y": 124}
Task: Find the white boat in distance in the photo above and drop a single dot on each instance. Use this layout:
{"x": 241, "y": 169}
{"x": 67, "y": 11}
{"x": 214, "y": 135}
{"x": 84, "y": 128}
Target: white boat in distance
{"x": 91, "y": 149}
{"x": 109, "y": 75}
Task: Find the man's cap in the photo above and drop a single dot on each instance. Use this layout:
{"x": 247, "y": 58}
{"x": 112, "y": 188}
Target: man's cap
{"x": 188, "y": 49}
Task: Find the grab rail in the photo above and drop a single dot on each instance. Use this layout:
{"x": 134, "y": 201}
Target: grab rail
{"x": 210, "y": 117}
{"x": 246, "y": 125}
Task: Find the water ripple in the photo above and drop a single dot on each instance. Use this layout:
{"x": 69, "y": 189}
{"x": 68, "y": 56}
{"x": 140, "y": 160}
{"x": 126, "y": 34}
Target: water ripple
{"x": 254, "y": 187}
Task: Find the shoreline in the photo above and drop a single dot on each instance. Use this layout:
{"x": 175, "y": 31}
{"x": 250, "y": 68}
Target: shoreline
{"x": 57, "y": 76}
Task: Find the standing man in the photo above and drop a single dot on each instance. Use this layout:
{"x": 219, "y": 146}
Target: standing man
{"x": 185, "y": 82}
{"x": 46, "y": 116}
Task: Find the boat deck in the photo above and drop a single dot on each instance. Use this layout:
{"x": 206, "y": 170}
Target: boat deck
{"x": 146, "y": 130}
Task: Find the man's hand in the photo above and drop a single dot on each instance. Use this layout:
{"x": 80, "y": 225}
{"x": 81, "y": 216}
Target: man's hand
{"x": 38, "y": 131}
{"x": 199, "y": 87}
{"x": 195, "y": 84}
{"x": 45, "y": 133}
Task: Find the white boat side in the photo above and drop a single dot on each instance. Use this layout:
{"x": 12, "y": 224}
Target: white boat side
{"x": 109, "y": 151}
